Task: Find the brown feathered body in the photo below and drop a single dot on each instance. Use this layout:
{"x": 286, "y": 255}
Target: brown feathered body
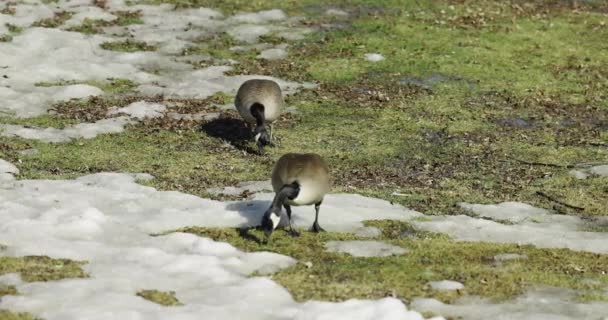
{"x": 308, "y": 170}
{"x": 266, "y": 92}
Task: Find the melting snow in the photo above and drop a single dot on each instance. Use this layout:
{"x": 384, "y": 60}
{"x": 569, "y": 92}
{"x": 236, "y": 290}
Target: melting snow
{"x": 55, "y": 55}
{"x": 136, "y": 110}
{"x": 274, "y": 53}
{"x": 92, "y": 13}
{"x": 365, "y": 248}
{"x": 545, "y": 303}
{"x": 446, "y": 285}
{"x": 7, "y": 167}
{"x": 81, "y": 130}
{"x": 579, "y": 174}
{"x": 530, "y": 225}
{"x": 601, "y": 170}
{"x": 141, "y": 110}
{"x": 373, "y": 57}
{"x": 106, "y": 220}
{"x": 247, "y": 186}
{"x": 336, "y": 12}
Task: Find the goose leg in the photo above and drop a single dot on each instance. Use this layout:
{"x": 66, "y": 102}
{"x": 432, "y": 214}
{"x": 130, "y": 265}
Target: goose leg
{"x": 292, "y": 231}
{"x": 315, "y": 226}
{"x": 272, "y": 144}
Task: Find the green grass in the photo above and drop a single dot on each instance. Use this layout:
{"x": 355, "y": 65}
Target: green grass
{"x": 41, "y": 268}
{"x": 431, "y": 257}
{"x": 513, "y": 95}
{"x": 161, "y": 297}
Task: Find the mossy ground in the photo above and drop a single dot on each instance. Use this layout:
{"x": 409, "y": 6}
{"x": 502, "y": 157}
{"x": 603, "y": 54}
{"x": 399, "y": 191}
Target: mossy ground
{"x": 476, "y": 101}
{"x": 161, "y": 297}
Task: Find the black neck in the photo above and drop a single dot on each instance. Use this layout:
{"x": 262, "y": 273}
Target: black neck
{"x": 257, "y": 111}
{"x": 289, "y": 191}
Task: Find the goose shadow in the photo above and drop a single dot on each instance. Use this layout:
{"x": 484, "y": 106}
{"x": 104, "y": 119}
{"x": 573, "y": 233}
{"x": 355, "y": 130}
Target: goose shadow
{"x": 233, "y": 131}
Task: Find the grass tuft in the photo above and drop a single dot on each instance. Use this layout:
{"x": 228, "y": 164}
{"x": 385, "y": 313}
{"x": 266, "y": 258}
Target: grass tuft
{"x": 161, "y": 297}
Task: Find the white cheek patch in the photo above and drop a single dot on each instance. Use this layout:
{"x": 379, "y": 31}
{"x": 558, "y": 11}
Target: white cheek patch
{"x": 275, "y": 220}
{"x": 257, "y": 137}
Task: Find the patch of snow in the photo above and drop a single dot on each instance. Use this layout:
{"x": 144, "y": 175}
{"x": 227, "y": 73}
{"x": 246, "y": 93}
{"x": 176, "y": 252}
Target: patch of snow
{"x": 336, "y": 12}
{"x": 294, "y": 34}
{"x": 579, "y": 174}
{"x": 54, "y": 55}
{"x": 257, "y": 46}
{"x": 515, "y": 212}
{"x": 530, "y": 225}
{"x": 374, "y": 57}
{"x": 92, "y": 13}
{"x": 76, "y": 91}
{"x": 543, "y": 303}
{"x": 136, "y": 111}
{"x": 509, "y": 256}
{"x": 7, "y": 167}
{"x": 26, "y": 14}
{"x": 106, "y": 219}
{"x": 81, "y": 130}
{"x": 250, "y": 32}
{"x": 10, "y": 279}
{"x": 599, "y": 170}
{"x": 387, "y": 308}
{"x": 446, "y": 285}
{"x": 367, "y": 232}
{"x": 365, "y": 248}
{"x": 247, "y": 186}
{"x": 273, "y": 54}
{"x": 260, "y": 17}
{"x": 141, "y": 110}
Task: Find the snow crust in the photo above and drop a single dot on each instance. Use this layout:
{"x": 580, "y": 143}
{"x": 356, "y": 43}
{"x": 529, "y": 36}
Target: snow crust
{"x": 107, "y": 218}
{"x": 336, "y": 12}
{"x": 543, "y": 303}
{"x": 530, "y": 225}
{"x": 446, "y": 285}
{"x": 374, "y": 57}
{"x": 273, "y": 54}
{"x": 601, "y": 171}
{"x": 135, "y": 111}
{"x": 55, "y": 55}
{"x": 365, "y": 248}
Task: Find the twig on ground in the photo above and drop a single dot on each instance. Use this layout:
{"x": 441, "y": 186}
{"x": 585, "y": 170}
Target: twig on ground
{"x": 552, "y": 198}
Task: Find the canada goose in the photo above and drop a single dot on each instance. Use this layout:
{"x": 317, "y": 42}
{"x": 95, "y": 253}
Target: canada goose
{"x": 298, "y": 179}
{"x": 259, "y": 102}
